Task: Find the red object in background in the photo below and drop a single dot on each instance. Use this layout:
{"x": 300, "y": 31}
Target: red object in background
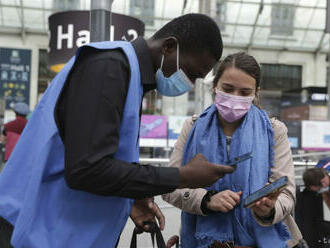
{"x": 11, "y": 140}
{"x": 13, "y": 130}
{"x": 16, "y": 126}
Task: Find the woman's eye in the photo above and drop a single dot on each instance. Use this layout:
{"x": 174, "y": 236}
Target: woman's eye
{"x": 246, "y": 93}
{"x": 228, "y": 90}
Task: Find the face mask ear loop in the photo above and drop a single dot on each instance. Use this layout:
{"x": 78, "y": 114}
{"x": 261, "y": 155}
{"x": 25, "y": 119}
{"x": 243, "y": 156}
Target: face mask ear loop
{"x": 161, "y": 62}
{"x": 177, "y": 56}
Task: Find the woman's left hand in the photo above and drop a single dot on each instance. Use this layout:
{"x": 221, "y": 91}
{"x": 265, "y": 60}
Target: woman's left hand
{"x": 264, "y": 207}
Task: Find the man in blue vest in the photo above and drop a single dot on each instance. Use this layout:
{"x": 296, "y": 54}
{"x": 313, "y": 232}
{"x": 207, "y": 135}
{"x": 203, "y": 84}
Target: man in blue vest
{"x": 73, "y": 178}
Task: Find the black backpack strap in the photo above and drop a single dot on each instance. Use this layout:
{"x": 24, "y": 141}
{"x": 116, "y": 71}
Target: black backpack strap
{"x": 154, "y": 232}
{"x": 133, "y": 239}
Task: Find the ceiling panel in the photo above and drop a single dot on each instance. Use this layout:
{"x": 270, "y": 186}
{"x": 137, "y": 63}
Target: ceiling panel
{"x": 240, "y": 15}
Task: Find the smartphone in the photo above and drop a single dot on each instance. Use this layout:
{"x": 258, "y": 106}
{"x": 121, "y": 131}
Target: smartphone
{"x": 239, "y": 159}
{"x": 265, "y": 191}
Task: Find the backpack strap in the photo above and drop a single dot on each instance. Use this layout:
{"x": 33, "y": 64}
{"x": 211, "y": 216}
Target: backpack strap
{"x": 154, "y": 232}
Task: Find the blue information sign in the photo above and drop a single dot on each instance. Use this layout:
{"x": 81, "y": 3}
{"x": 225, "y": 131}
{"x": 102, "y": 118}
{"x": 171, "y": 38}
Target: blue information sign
{"x": 15, "y": 67}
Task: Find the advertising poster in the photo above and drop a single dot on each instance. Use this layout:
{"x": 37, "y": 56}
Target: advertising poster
{"x": 153, "y": 131}
{"x": 175, "y": 124}
{"x": 15, "y": 66}
{"x": 316, "y": 135}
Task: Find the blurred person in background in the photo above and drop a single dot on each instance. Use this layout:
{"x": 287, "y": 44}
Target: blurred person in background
{"x": 75, "y": 177}
{"x": 214, "y": 216}
{"x": 318, "y": 180}
{"x": 13, "y": 129}
{"x": 309, "y": 208}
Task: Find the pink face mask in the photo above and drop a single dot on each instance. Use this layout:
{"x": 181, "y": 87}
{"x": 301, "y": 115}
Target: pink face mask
{"x": 231, "y": 107}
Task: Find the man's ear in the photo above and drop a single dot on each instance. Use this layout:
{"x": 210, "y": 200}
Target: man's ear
{"x": 169, "y": 45}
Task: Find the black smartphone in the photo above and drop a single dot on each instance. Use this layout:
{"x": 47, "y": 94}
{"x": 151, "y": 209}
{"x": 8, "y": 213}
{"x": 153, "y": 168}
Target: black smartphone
{"x": 265, "y": 191}
{"x": 239, "y": 159}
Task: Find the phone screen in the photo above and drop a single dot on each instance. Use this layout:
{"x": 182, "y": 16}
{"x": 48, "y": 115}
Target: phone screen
{"x": 240, "y": 159}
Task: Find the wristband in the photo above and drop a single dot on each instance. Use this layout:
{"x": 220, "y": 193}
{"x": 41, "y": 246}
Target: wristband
{"x": 205, "y": 200}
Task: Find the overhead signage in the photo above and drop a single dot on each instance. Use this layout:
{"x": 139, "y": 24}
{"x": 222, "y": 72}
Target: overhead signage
{"x": 69, "y": 30}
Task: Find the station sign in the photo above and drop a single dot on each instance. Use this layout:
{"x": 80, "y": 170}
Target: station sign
{"x": 69, "y": 30}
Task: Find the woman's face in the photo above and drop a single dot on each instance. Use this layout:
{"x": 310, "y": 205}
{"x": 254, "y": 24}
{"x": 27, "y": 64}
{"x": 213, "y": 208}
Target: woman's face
{"x": 325, "y": 181}
{"x": 237, "y": 82}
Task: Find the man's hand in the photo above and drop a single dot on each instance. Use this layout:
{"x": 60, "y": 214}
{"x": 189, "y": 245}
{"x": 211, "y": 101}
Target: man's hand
{"x": 146, "y": 210}
{"x": 199, "y": 173}
{"x": 224, "y": 201}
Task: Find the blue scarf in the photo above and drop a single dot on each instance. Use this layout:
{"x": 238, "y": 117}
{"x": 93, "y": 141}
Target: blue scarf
{"x": 207, "y": 137}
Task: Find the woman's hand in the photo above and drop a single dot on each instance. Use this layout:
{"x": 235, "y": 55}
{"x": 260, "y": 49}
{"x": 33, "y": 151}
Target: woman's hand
{"x": 264, "y": 207}
{"x": 224, "y": 201}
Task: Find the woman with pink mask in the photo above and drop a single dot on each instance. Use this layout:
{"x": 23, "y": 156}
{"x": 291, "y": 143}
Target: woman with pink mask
{"x": 232, "y": 126}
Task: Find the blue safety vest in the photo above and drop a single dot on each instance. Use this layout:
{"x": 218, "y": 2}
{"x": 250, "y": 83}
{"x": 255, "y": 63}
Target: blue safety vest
{"x": 34, "y": 196}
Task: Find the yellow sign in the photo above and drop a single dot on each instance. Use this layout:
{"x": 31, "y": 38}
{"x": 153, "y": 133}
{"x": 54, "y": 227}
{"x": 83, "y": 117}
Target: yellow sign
{"x": 57, "y": 68}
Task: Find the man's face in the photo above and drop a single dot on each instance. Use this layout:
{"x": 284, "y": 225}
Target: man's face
{"x": 325, "y": 182}
{"x": 194, "y": 65}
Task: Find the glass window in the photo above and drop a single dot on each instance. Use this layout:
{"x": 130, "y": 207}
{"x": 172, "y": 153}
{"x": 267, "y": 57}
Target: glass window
{"x": 67, "y": 4}
{"x": 220, "y": 17}
{"x": 282, "y": 19}
{"x": 280, "y": 77}
{"x": 144, "y": 10}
